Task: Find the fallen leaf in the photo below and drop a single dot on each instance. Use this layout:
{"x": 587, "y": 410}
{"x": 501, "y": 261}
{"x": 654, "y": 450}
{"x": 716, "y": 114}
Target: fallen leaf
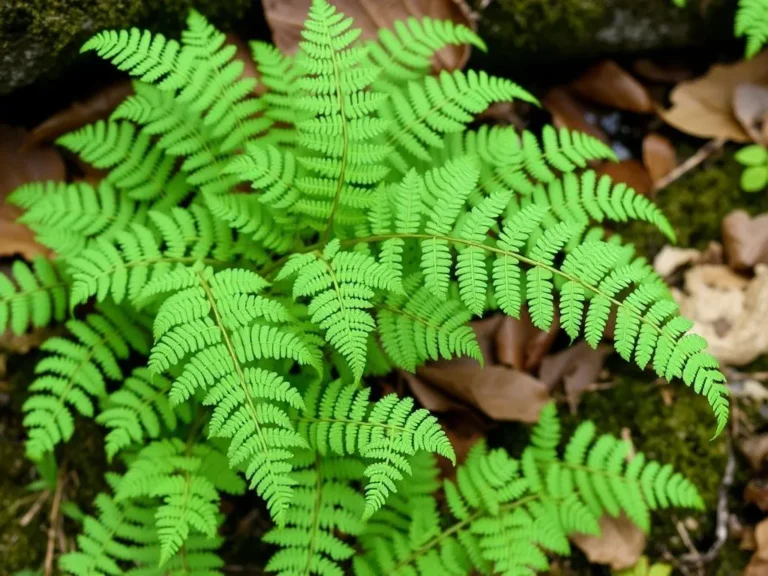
{"x": 567, "y": 112}
{"x": 728, "y": 310}
{"x": 756, "y": 493}
{"x": 499, "y": 392}
{"x": 750, "y": 105}
{"x": 671, "y": 258}
{"x": 620, "y": 544}
{"x": 286, "y": 19}
{"x": 431, "y": 398}
{"x": 758, "y": 564}
{"x": 755, "y": 448}
{"x": 630, "y": 172}
{"x": 486, "y": 331}
{"x": 464, "y": 431}
{"x": 704, "y": 106}
{"x": 660, "y": 72}
{"x": 745, "y": 239}
{"x": 609, "y": 84}
{"x": 751, "y": 389}
{"x": 659, "y": 156}
{"x": 18, "y": 167}
{"x": 97, "y": 107}
{"x": 577, "y": 367}
{"x": 522, "y": 345}
{"x": 23, "y": 343}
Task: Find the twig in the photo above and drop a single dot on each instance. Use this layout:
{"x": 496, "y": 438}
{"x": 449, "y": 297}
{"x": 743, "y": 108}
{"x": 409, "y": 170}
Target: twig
{"x": 54, "y": 522}
{"x": 721, "y": 529}
{"x": 32, "y": 512}
{"x": 701, "y": 154}
{"x": 693, "y": 552}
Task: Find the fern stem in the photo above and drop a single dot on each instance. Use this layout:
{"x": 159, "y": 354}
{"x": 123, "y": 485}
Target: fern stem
{"x": 315, "y": 514}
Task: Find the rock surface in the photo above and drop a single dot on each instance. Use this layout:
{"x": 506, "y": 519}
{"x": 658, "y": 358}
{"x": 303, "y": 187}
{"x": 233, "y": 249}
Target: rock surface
{"x": 38, "y": 37}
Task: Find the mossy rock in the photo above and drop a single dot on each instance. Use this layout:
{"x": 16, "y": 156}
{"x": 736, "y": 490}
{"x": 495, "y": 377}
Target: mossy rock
{"x": 39, "y": 36}
{"x": 526, "y": 32}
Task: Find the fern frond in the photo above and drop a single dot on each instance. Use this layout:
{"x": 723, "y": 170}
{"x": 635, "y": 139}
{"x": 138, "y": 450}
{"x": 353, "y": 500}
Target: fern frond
{"x": 341, "y": 420}
{"x": 32, "y": 297}
{"x": 74, "y": 373}
{"x": 341, "y": 286}
{"x": 325, "y": 506}
{"x": 278, "y": 73}
{"x": 752, "y": 21}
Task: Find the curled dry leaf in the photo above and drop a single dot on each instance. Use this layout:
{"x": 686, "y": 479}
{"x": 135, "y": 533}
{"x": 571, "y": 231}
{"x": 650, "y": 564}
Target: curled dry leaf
{"x": 745, "y": 239}
{"x": 567, "y": 112}
{"x": 750, "y": 106}
{"x": 657, "y": 72}
{"x": 630, "y": 172}
{"x": 499, "y": 392}
{"x": 19, "y": 166}
{"x": 286, "y": 18}
{"x": 97, "y": 107}
{"x": 758, "y": 564}
{"x": 620, "y": 544}
{"x": 728, "y": 310}
{"x": 659, "y": 156}
{"x": 577, "y": 367}
{"x": 522, "y": 345}
{"x": 704, "y": 106}
{"x": 609, "y": 84}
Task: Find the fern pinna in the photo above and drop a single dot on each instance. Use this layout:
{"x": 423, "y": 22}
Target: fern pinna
{"x": 248, "y": 262}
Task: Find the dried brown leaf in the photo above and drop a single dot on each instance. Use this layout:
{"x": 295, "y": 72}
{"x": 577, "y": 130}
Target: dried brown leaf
{"x": 501, "y": 393}
{"x": 756, "y": 493}
{"x": 750, "y": 105}
{"x": 758, "y": 564}
{"x": 619, "y": 545}
{"x": 97, "y": 107}
{"x": 286, "y": 18}
{"x": 755, "y": 448}
{"x": 745, "y": 239}
{"x": 567, "y": 112}
{"x": 609, "y": 84}
{"x": 660, "y": 72}
{"x": 522, "y": 345}
{"x": 432, "y": 398}
{"x": 19, "y": 166}
{"x": 659, "y": 156}
{"x": 577, "y": 367}
{"x": 630, "y": 172}
{"x": 704, "y": 106}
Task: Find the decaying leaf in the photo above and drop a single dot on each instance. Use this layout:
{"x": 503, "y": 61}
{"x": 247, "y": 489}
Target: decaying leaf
{"x": 755, "y": 448}
{"x": 728, "y": 310}
{"x": 704, "y": 106}
{"x": 567, "y": 112}
{"x": 19, "y": 166}
{"x": 522, "y": 345}
{"x": 501, "y": 393}
{"x": 758, "y": 565}
{"x": 659, "y": 156}
{"x": 286, "y": 18}
{"x": 671, "y": 258}
{"x": 609, "y": 84}
{"x": 756, "y": 493}
{"x": 619, "y": 545}
{"x": 750, "y": 106}
{"x": 660, "y": 72}
{"x": 577, "y": 367}
{"x": 97, "y": 107}
{"x": 630, "y": 172}
{"x": 745, "y": 239}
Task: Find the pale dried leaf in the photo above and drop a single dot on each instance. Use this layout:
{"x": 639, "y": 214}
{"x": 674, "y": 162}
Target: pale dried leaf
{"x": 745, "y": 239}
{"x": 286, "y": 18}
{"x": 704, "y": 106}
{"x": 750, "y": 105}
{"x": 619, "y": 545}
{"x": 755, "y": 448}
{"x": 501, "y": 393}
{"x": 671, "y": 258}
{"x": 659, "y": 156}
{"x": 19, "y": 166}
{"x": 609, "y": 84}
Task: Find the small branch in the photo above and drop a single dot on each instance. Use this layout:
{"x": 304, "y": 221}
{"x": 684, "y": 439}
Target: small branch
{"x": 32, "y": 512}
{"x": 701, "y": 154}
{"x": 54, "y": 523}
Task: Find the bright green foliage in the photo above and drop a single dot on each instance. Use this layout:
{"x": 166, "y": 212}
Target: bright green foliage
{"x": 752, "y": 22}
{"x": 74, "y": 373}
{"x": 33, "y": 296}
{"x": 286, "y": 247}
{"x": 755, "y": 175}
{"x": 507, "y": 513}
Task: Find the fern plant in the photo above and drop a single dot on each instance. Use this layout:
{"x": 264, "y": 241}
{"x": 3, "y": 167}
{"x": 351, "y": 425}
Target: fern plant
{"x": 248, "y": 262}
{"x": 752, "y": 23}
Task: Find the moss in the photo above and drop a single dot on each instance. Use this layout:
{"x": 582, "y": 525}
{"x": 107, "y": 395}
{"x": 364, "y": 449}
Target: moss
{"x": 36, "y": 35}
{"x": 697, "y": 203}
{"x": 677, "y": 432}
